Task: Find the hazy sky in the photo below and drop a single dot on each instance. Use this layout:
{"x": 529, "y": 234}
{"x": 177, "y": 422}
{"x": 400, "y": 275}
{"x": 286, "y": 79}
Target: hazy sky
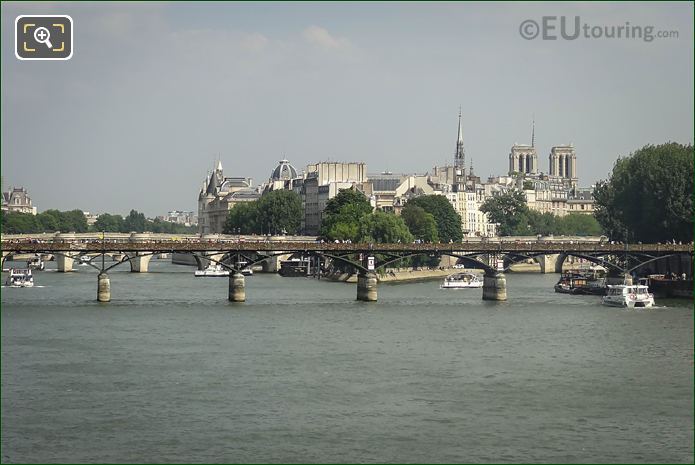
{"x": 155, "y": 92}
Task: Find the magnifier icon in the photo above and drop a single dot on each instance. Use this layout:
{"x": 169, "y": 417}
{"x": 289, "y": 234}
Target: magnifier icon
{"x": 43, "y": 36}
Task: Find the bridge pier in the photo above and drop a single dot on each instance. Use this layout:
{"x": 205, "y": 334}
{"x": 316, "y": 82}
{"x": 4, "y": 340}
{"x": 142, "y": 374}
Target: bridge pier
{"x": 103, "y": 288}
{"x": 548, "y": 263}
{"x": 237, "y": 287}
{"x": 65, "y": 261}
{"x": 366, "y": 286}
{"x": 494, "y": 286}
{"x": 139, "y": 263}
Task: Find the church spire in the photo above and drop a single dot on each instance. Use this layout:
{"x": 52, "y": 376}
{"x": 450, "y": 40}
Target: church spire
{"x": 459, "y": 157}
{"x": 459, "y": 160}
{"x": 459, "y": 140}
{"x": 533, "y": 132}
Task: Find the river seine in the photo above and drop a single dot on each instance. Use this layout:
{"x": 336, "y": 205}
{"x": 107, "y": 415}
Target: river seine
{"x": 170, "y": 371}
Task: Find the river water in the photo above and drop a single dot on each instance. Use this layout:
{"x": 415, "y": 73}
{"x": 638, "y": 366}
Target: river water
{"x": 170, "y": 371}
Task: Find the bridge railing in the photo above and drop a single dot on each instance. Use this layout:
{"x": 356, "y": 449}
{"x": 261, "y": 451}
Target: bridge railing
{"x": 192, "y": 245}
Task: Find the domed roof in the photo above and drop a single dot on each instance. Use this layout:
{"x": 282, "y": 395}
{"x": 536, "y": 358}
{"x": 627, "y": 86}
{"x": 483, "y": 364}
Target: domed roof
{"x": 284, "y": 171}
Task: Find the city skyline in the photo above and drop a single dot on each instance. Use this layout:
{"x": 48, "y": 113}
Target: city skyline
{"x": 140, "y": 107}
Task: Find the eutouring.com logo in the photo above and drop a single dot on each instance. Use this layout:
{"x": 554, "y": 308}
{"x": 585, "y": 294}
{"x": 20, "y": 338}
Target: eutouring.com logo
{"x": 572, "y": 28}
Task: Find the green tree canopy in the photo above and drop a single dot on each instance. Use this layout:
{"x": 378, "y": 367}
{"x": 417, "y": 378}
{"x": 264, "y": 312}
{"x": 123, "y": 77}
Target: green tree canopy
{"x": 274, "y": 213}
{"x": 578, "y": 224}
{"x": 242, "y": 218}
{"x": 134, "y": 222}
{"x": 421, "y": 224}
{"x": 383, "y": 227}
{"x": 19, "y": 223}
{"x": 341, "y": 217}
{"x": 347, "y": 197}
{"x": 510, "y": 211}
{"x": 649, "y": 195}
{"x": 448, "y": 221}
{"x": 109, "y": 223}
{"x": 280, "y": 211}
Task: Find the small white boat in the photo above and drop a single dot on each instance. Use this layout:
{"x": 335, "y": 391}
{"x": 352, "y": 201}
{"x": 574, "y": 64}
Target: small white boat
{"x": 629, "y": 296}
{"x": 245, "y": 270}
{"x": 461, "y": 281}
{"x": 20, "y": 277}
{"x": 213, "y": 270}
{"x": 36, "y": 263}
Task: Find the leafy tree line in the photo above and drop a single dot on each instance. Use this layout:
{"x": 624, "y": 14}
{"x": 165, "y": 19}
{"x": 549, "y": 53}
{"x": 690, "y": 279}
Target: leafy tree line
{"x": 349, "y": 217}
{"x": 511, "y": 213}
{"x": 276, "y": 212}
{"x": 75, "y": 221}
{"x": 649, "y": 195}
{"x": 48, "y": 221}
{"x": 136, "y": 222}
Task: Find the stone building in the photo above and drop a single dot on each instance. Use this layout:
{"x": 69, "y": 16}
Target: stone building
{"x": 218, "y": 195}
{"x": 284, "y": 176}
{"x": 523, "y": 159}
{"x": 563, "y": 163}
{"x": 17, "y": 200}
{"x": 322, "y": 182}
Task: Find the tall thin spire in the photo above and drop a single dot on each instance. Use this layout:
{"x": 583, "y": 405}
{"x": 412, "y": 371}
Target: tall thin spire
{"x": 459, "y": 140}
{"x": 533, "y": 131}
{"x": 459, "y": 157}
{"x": 459, "y": 160}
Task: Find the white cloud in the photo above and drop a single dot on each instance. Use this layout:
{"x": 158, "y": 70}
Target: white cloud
{"x": 322, "y": 38}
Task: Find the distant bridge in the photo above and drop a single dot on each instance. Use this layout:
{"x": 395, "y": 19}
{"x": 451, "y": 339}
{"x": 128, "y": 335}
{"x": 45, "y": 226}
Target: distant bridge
{"x": 138, "y": 249}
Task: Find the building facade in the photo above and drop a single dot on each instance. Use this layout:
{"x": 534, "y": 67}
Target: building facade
{"x": 17, "y": 200}
{"x": 218, "y": 195}
{"x": 563, "y": 163}
{"x": 321, "y": 183}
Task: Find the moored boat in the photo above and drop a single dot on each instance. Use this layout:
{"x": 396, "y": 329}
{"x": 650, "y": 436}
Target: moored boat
{"x": 669, "y": 286}
{"x": 294, "y": 267}
{"x": 590, "y": 281}
{"x": 213, "y": 270}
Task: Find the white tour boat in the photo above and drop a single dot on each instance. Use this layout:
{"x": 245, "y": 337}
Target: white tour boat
{"x": 461, "y": 281}
{"x": 624, "y": 295}
{"x": 20, "y": 277}
{"x": 213, "y": 270}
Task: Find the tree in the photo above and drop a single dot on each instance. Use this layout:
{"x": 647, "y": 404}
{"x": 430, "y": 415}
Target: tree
{"x": 510, "y": 211}
{"x": 109, "y": 223}
{"x": 135, "y": 221}
{"x": 242, "y": 218}
{"x": 347, "y": 197}
{"x": 578, "y": 224}
{"x": 342, "y": 215}
{"x": 541, "y": 223}
{"x": 280, "y": 211}
{"x": 448, "y": 221}
{"x": 421, "y": 224}
{"x": 649, "y": 195}
{"x": 383, "y": 227}
{"x": 74, "y": 220}
{"x": 19, "y": 223}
